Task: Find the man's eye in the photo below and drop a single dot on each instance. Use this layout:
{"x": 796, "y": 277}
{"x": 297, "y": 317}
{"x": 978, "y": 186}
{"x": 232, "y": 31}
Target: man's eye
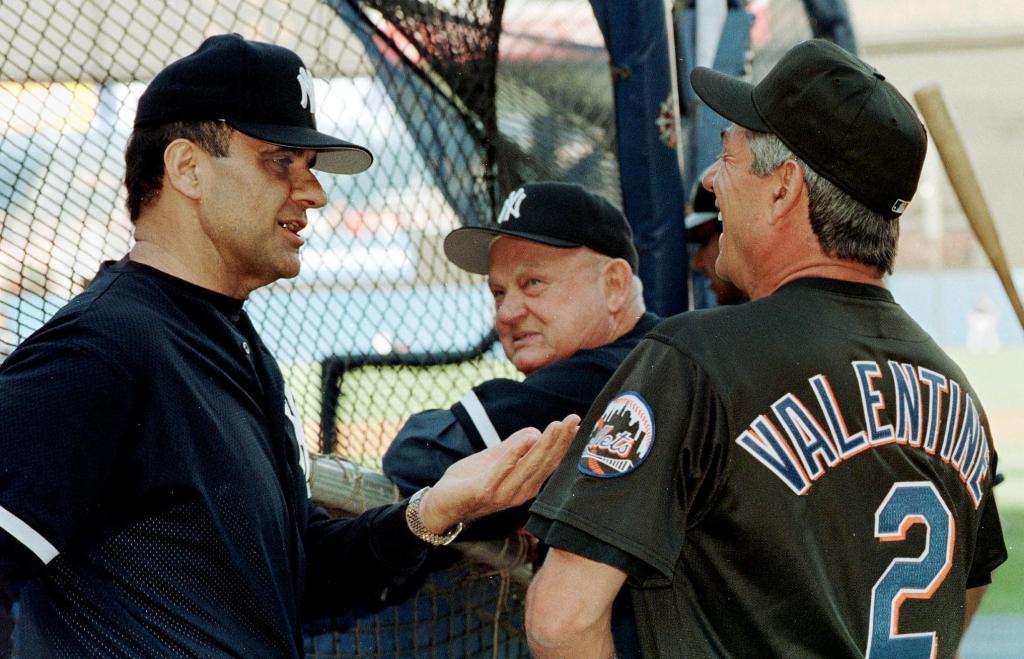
{"x": 533, "y": 281}
{"x": 284, "y": 161}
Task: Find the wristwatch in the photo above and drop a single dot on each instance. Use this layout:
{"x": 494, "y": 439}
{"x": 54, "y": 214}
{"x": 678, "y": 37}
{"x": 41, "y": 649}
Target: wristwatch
{"x": 412, "y": 519}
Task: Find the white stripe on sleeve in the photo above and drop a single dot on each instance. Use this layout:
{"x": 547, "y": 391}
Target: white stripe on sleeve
{"x": 27, "y": 536}
{"x": 478, "y": 414}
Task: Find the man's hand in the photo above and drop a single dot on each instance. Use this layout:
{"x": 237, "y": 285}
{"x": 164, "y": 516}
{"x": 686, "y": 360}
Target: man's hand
{"x": 500, "y": 477}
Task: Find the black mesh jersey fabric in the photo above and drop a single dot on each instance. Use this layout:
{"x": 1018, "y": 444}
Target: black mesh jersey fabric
{"x": 151, "y": 498}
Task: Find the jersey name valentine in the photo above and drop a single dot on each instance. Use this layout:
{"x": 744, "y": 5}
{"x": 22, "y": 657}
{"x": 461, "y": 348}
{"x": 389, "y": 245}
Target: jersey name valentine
{"x": 800, "y": 442}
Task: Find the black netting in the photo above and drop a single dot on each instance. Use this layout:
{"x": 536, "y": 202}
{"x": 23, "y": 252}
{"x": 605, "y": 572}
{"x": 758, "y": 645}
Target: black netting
{"x": 458, "y": 609}
{"x": 378, "y": 324}
{"x": 555, "y": 114}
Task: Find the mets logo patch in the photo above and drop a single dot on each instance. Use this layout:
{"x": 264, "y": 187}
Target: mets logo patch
{"x": 621, "y": 439}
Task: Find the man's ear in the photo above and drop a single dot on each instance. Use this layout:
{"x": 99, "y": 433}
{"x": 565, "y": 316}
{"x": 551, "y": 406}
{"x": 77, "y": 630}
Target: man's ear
{"x": 789, "y": 187}
{"x": 181, "y": 160}
{"x": 617, "y": 278}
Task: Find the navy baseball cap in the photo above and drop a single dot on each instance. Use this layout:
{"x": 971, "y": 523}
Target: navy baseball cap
{"x": 259, "y": 89}
{"x": 549, "y": 213}
{"x": 837, "y": 114}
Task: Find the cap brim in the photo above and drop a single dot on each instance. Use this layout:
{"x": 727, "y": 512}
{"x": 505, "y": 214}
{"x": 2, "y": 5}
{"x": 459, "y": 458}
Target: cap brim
{"x": 728, "y": 96}
{"x": 333, "y": 155}
{"x": 470, "y": 247}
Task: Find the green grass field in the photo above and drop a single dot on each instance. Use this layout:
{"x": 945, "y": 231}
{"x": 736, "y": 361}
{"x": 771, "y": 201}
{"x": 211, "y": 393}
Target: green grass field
{"x": 386, "y": 393}
{"x": 375, "y": 401}
{"x": 1006, "y": 594}
{"x": 997, "y": 379}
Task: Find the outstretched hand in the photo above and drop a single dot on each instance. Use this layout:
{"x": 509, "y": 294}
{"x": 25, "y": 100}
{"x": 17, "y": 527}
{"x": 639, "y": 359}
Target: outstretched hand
{"x": 499, "y": 477}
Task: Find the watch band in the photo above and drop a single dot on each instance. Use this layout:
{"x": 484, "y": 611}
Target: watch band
{"x": 412, "y": 519}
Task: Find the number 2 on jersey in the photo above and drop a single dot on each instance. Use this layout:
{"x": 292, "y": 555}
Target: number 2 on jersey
{"x": 908, "y": 504}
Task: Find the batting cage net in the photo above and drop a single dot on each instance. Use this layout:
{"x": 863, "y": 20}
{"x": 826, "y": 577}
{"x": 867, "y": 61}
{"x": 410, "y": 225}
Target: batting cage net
{"x": 459, "y": 101}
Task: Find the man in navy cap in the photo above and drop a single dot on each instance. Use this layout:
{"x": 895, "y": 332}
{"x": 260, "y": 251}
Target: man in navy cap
{"x": 153, "y": 500}
{"x": 804, "y": 475}
{"x": 562, "y": 267}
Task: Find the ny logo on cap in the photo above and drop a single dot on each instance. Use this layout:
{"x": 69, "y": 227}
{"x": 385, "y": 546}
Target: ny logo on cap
{"x": 306, "y": 85}
{"x": 512, "y": 204}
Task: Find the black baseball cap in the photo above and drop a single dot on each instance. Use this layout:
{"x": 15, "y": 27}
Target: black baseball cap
{"x": 837, "y": 114}
{"x": 259, "y": 89}
{"x": 549, "y": 213}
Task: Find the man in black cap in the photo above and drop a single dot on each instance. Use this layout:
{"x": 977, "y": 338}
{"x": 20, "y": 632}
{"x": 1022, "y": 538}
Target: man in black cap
{"x": 153, "y": 500}
{"x": 807, "y": 474}
{"x": 562, "y": 267}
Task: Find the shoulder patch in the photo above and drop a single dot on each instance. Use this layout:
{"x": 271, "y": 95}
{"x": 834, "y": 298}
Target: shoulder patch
{"x": 621, "y": 439}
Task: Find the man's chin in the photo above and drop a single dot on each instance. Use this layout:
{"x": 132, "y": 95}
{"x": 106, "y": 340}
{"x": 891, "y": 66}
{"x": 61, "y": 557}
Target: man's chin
{"x": 290, "y": 269}
{"x": 533, "y": 358}
{"x": 271, "y": 273}
{"x": 527, "y": 363}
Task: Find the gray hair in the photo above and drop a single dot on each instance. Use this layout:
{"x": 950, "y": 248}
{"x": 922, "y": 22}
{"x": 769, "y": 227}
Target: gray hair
{"x": 845, "y": 227}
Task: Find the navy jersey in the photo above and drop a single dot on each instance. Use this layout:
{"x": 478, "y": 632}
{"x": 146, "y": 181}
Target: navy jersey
{"x": 432, "y": 440}
{"x": 152, "y": 496}
{"x": 804, "y": 475}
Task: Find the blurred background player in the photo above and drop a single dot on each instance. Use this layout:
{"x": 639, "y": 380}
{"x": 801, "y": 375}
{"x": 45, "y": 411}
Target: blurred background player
{"x": 703, "y": 227}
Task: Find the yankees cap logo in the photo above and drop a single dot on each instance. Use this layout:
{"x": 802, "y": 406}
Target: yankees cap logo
{"x": 305, "y": 79}
{"x": 512, "y": 206}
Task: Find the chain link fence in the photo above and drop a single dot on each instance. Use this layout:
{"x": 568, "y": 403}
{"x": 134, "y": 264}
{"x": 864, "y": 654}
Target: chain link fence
{"x": 378, "y": 324}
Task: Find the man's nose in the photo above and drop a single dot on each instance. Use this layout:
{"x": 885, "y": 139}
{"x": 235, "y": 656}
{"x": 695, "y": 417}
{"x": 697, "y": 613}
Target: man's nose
{"x": 307, "y": 191}
{"x": 510, "y": 308}
{"x": 709, "y": 176}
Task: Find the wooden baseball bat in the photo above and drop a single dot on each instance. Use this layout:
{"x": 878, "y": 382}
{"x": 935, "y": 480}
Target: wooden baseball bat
{"x": 965, "y": 184}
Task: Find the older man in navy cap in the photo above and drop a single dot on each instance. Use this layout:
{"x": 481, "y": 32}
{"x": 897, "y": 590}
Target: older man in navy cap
{"x": 807, "y": 474}
{"x": 561, "y": 265}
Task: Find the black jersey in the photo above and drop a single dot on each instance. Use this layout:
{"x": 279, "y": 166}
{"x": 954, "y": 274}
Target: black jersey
{"x": 152, "y": 496}
{"x": 804, "y": 475}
